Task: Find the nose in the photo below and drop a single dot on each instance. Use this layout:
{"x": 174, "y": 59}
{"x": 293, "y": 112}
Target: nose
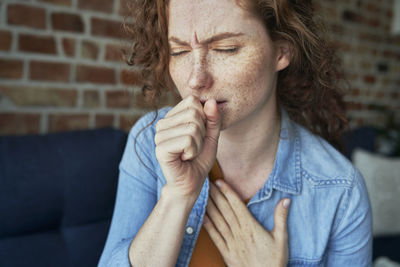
{"x": 200, "y": 78}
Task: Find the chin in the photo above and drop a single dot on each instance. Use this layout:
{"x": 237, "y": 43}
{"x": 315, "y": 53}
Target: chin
{"x": 225, "y": 123}
{"x": 223, "y": 126}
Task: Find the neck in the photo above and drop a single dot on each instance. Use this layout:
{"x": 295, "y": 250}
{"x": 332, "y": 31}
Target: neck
{"x": 250, "y": 143}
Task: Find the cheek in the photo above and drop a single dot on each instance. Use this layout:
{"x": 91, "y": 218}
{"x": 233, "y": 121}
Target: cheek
{"x": 246, "y": 73}
{"x": 179, "y": 71}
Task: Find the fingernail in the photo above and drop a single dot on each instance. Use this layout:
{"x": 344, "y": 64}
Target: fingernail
{"x": 218, "y": 183}
{"x": 286, "y": 203}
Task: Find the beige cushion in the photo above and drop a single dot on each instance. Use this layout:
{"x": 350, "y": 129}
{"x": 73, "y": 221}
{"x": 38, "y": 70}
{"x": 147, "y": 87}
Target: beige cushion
{"x": 385, "y": 262}
{"x": 382, "y": 177}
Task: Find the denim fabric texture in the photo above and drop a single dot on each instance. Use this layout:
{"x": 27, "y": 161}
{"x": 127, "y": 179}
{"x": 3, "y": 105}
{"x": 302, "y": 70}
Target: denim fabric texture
{"x": 329, "y": 222}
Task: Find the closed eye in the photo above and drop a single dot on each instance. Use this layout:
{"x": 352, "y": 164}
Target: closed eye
{"x": 228, "y": 50}
{"x": 175, "y": 54}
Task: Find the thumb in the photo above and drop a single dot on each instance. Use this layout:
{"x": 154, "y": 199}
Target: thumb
{"x": 213, "y": 127}
{"x": 280, "y": 219}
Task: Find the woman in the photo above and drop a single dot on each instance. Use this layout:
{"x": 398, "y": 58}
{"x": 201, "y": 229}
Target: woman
{"x": 249, "y": 74}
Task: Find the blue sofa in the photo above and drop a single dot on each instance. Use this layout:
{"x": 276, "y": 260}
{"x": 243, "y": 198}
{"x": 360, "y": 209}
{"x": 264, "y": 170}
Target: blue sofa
{"x": 57, "y": 195}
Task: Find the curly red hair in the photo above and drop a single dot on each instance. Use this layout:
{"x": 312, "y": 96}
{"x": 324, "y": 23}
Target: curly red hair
{"x": 310, "y": 89}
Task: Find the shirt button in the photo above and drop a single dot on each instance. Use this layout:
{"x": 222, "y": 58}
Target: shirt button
{"x": 189, "y": 230}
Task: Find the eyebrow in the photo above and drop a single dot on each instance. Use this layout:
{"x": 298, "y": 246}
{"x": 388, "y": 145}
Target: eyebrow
{"x": 212, "y": 39}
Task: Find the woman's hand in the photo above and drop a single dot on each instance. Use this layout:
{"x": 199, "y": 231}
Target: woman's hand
{"x": 241, "y": 240}
{"x": 186, "y": 145}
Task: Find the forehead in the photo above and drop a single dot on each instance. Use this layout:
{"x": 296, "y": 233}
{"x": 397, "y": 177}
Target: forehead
{"x": 208, "y": 17}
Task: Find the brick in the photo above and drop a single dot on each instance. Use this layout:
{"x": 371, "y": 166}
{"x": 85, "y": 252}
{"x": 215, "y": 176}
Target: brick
{"x": 124, "y": 7}
{"x": 5, "y": 40}
{"x": 352, "y": 76}
{"x": 365, "y": 36}
{"x": 49, "y": 71}
{"x": 37, "y": 44}
{"x": 97, "y": 5}
{"x": 382, "y": 67}
{"x": 118, "y": 99}
{"x": 68, "y": 122}
{"x": 91, "y": 99}
{"x": 114, "y": 53}
{"x": 106, "y": 28}
{"x": 366, "y": 65}
{"x": 388, "y": 54}
{"x": 93, "y": 74}
{"x": 380, "y": 95}
{"x": 39, "y": 96}
{"x": 351, "y": 16}
{"x": 337, "y": 28}
{"x": 68, "y": 47}
{"x": 387, "y": 82}
{"x": 342, "y": 46}
{"x": 19, "y": 123}
{"x": 67, "y": 22}
{"x": 131, "y": 77}
{"x": 369, "y": 79}
{"x": 127, "y": 121}
{"x": 353, "y": 106}
{"x": 141, "y": 101}
{"x": 104, "y": 120}
{"x": 355, "y": 92}
{"x": 374, "y": 23}
{"x": 363, "y": 49}
{"x": 11, "y": 69}
{"x": 58, "y": 2}
{"x": 373, "y": 8}
{"x": 24, "y": 15}
{"x": 89, "y": 50}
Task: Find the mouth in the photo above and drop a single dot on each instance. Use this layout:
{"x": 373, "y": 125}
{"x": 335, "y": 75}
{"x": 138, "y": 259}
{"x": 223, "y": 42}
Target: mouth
{"x": 220, "y": 103}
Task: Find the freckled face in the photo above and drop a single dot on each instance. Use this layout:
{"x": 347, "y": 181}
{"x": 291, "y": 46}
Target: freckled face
{"x": 218, "y": 50}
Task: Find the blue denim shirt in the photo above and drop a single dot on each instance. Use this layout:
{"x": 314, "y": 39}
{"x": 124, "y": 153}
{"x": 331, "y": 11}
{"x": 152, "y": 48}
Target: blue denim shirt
{"x": 329, "y": 222}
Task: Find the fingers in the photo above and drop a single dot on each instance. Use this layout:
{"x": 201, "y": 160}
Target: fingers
{"x": 280, "y": 220}
{"x": 216, "y": 237}
{"x": 190, "y": 102}
{"x": 213, "y": 126}
{"x": 183, "y": 147}
{"x": 219, "y": 221}
{"x": 222, "y": 206}
{"x": 185, "y": 116}
{"x": 236, "y": 203}
{"x": 181, "y": 132}
{"x": 186, "y": 129}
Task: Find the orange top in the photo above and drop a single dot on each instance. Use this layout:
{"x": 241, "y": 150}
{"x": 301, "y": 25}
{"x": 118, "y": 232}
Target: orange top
{"x": 205, "y": 253}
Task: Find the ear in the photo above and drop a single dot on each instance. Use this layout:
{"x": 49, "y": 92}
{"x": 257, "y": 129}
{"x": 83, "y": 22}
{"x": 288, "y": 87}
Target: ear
{"x": 284, "y": 54}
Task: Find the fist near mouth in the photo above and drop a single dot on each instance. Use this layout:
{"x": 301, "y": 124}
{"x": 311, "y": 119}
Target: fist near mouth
{"x": 186, "y": 145}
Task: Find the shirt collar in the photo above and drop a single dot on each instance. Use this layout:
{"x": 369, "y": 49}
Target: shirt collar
{"x": 286, "y": 173}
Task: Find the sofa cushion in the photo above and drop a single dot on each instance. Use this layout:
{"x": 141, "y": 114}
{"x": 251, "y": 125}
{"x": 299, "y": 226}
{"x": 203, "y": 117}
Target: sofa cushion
{"x": 56, "y": 188}
{"x": 381, "y": 175}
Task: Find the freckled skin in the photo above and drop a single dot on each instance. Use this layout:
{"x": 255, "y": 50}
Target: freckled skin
{"x": 245, "y": 78}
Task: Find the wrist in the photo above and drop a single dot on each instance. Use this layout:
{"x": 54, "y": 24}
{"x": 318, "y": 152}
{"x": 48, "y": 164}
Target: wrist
{"x": 175, "y": 199}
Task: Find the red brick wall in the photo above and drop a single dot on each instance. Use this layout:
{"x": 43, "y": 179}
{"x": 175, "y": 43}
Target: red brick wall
{"x": 61, "y": 67}
{"x": 361, "y": 30}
